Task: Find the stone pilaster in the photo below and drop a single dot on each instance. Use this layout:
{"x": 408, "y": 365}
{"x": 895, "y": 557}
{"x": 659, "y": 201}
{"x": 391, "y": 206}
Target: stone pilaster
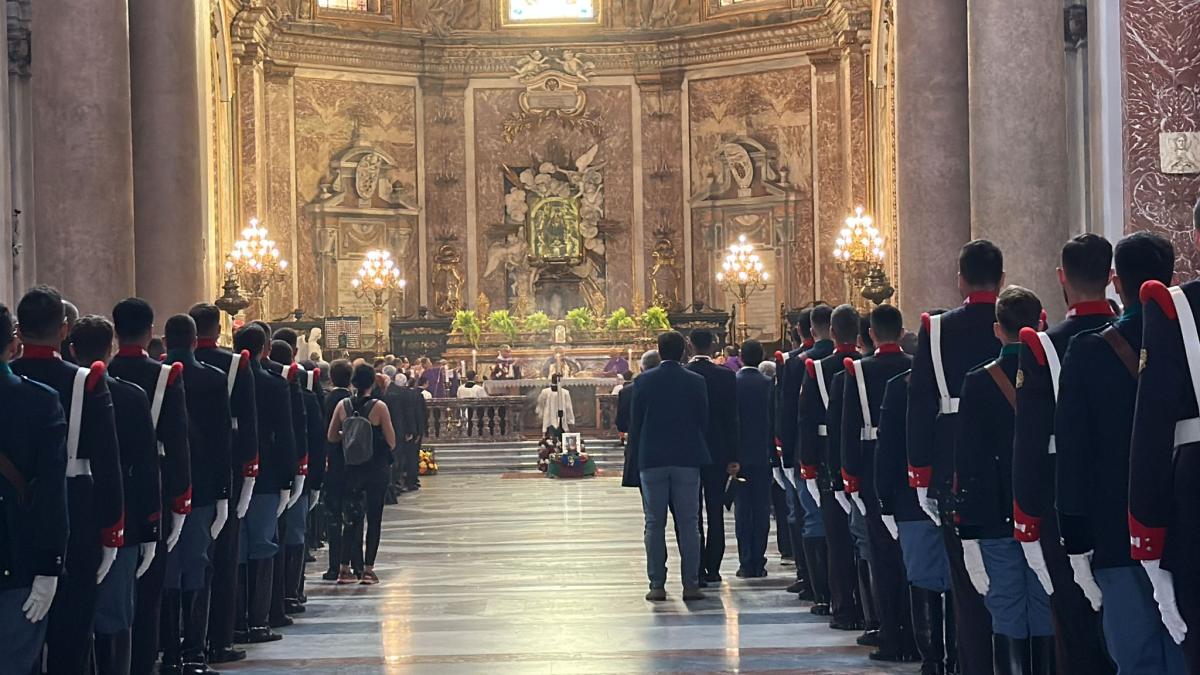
{"x": 1018, "y": 139}
{"x": 933, "y": 190}
{"x": 84, "y": 166}
{"x": 830, "y": 170}
{"x": 168, "y": 197}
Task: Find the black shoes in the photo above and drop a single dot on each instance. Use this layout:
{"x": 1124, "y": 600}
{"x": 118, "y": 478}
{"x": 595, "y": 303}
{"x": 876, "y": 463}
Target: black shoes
{"x": 869, "y": 638}
{"x": 712, "y": 578}
{"x": 259, "y": 635}
{"x": 226, "y": 655}
{"x": 820, "y": 609}
{"x": 293, "y": 606}
{"x": 280, "y": 622}
{"x": 845, "y": 624}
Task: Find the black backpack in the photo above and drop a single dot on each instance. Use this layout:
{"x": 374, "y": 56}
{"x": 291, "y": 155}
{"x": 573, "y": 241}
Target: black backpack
{"x": 358, "y": 434}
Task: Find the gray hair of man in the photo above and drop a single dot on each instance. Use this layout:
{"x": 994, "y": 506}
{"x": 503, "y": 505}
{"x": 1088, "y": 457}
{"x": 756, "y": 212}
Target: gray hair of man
{"x": 390, "y": 371}
{"x": 400, "y": 379}
{"x": 767, "y": 368}
{"x": 650, "y": 359}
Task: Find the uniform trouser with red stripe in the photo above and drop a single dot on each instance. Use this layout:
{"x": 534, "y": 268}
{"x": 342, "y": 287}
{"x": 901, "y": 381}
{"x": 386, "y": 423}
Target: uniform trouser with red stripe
{"x": 843, "y": 571}
{"x": 973, "y": 622}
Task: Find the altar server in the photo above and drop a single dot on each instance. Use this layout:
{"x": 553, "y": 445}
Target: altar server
{"x": 817, "y": 400}
{"x": 948, "y": 345}
{"x": 1164, "y": 466}
{"x": 33, "y": 501}
{"x": 91, "y": 340}
{"x": 95, "y": 494}
{"x": 1084, "y": 276}
{"x": 1092, "y": 428}
{"x": 554, "y": 406}
{"x": 864, "y": 392}
{"x": 1022, "y": 629}
{"x": 239, "y": 382}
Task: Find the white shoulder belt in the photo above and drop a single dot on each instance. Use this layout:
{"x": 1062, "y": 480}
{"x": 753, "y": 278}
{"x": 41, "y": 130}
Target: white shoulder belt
{"x": 947, "y": 405}
{"x": 76, "y": 466}
{"x": 822, "y": 430}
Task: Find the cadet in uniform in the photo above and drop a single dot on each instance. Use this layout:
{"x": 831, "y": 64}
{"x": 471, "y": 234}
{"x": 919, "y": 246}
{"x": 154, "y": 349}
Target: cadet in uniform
{"x": 1023, "y": 632}
{"x": 298, "y": 543}
{"x": 91, "y": 340}
{"x": 814, "y": 407}
{"x": 1164, "y": 462}
{"x": 864, "y": 390}
{"x": 189, "y": 566}
{"x": 1092, "y": 427}
{"x": 1084, "y": 275}
{"x": 282, "y": 359}
{"x": 948, "y": 345}
{"x": 244, "y": 466}
{"x": 272, "y": 488}
{"x": 95, "y": 496}
{"x": 33, "y": 507}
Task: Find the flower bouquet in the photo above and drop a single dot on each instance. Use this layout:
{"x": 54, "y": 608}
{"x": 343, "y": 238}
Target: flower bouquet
{"x": 427, "y": 464}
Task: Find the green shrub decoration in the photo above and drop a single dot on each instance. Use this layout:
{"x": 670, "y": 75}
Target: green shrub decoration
{"x": 655, "y": 319}
{"x": 537, "y": 322}
{"x": 580, "y": 320}
{"x": 620, "y": 320}
{"x": 500, "y": 321}
{"x": 467, "y": 323}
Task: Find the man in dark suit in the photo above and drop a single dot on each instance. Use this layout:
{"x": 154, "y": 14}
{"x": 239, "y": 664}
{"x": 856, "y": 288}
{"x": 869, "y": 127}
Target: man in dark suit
{"x": 755, "y": 449}
{"x": 666, "y": 434}
{"x": 722, "y": 438}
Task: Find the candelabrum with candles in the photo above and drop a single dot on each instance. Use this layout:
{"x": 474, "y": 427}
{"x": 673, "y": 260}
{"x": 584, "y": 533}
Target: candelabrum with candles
{"x": 742, "y": 276}
{"x": 378, "y": 279}
{"x": 858, "y": 253}
{"x": 253, "y": 265}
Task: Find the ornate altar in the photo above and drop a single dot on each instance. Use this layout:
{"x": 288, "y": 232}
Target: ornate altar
{"x": 751, "y": 196}
{"x": 359, "y": 208}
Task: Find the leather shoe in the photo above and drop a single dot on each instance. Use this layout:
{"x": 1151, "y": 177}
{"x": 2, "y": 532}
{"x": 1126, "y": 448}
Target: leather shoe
{"x": 261, "y": 634}
{"x": 291, "y": 606}
{"x": 869, "y": 638}
{"x": 197, "y": 669}
{"x": 690, "y": 594}
{"x": 820, "y": 609}
{"x": 330, "y": 575}
{"x": 712, "y": 578}
{"x": 226, "y": 655}
{"x": 281, "y": 622}
{"x": 657, "y": 594}
{"x": 895, "y": 657}
{"x": 852, "y": 624}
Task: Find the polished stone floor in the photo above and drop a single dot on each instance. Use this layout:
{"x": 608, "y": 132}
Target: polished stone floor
{"x": 514, "y": 575}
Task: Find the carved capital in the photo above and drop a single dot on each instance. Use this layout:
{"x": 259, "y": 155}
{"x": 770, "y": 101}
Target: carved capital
{"x": 663, "y": 81}
{"x": 277, "y": 73}
{"x": 826, "y": 58}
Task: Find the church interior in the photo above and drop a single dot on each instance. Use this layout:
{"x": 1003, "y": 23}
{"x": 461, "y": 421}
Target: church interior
{"x": 553, "y": 183}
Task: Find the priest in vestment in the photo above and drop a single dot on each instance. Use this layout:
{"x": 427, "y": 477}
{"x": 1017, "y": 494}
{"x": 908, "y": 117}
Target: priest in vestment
{"x": 551, "y": 401}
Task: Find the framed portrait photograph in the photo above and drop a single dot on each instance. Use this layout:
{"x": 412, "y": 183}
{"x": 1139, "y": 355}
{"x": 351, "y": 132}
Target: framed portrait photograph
{"x": 572, "y": 443}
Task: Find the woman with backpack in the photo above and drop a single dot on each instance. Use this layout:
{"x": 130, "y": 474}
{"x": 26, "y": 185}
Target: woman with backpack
{"x": 362, "y": 427}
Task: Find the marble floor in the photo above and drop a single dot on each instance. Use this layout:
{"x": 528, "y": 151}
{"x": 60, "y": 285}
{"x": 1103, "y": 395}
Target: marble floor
{"x": 515, "y": 575}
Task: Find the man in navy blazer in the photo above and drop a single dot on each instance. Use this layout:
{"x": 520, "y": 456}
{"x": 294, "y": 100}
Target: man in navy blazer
{"x": 666, "y": 434}
{"x": 756, "y": 447}
{"x": 722, "y": 437}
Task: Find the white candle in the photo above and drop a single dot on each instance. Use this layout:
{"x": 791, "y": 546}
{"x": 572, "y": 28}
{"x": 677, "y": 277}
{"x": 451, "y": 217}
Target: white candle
{"x": 473, "y": 353}
{"x": 462, "y": 365}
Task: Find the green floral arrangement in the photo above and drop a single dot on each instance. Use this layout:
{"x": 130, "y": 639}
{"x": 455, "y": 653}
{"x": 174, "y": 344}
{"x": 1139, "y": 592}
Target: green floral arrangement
{"x": 655, "y": 319}
{"x": 581, "y": 320}
{"x": 620, "y": 320}
{"x": 537, "y": 322}
{"x": 467, "y": 323}
{"x": 500, "y": 321}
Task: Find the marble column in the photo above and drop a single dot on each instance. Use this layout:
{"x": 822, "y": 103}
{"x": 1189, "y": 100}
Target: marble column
{"x": 933, "y": 200}
{"x": 84, "y": 166}
{"x": 1019, "y": 139}
{"x": 168, "y": 198}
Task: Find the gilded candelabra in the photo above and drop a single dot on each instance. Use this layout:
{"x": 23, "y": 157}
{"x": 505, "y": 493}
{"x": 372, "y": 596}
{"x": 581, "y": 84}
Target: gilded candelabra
{"x": 378, "y": 279}
{"x": 742, "y": 276}
{"x": 253, "y": 265}
{"x": 858, "y": 253}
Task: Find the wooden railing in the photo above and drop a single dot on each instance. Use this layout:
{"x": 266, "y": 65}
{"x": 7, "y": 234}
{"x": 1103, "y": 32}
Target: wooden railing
{"x": 495, "y": 418}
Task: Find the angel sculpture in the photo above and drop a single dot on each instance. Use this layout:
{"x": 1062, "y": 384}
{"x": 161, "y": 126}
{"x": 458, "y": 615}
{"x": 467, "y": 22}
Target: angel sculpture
{"x": 573, "y": 65}
{"x": 507, "y": 253}
{"x": 531, "y": 64}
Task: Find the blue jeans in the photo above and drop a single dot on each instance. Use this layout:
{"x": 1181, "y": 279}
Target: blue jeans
{"x": 924, "y": 551}
{"x": 679, "y": 488}
{"x": 1133, "y": 628}
{"x": 1016, "y": 600}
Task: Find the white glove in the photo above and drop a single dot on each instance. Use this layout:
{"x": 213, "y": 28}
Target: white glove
{"x": 777, "y": 473}
{"x": 219, "y": 520}
{"x": 790, "y": 475}
{"x": 1037, "y": 563}
{"x": 314, "y": 497}
{"x": 40, "y": 597}
{"x": 890, "y": 523}
{"x": 146, "y": 551}
{"x": 858, "y": 502}
{"x": 1164, "y": 594}
{"x": 244, "y": 499}
{"x": 811, "y": 484}
{"x": 176, "y": 530}
{"x": 107, "y": 555}
{"x": 929, "y": 505}
{"x": 297, "y": 490}
{"x": 285, "y": 496}
{"x": 973, "y": 560}
{"x": 1081, "y": 567}
{"x": 842, "y": 500}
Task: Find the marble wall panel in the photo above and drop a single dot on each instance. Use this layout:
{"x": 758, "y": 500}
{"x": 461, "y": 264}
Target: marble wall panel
{"x": 1160, "y": 54}
{"x": 613, "y": 105}
{"x": 831, "y": 198}
{"x": 662, "y": 177}
{"x": 857, "y": 146}
{"x": 775, "y": 108}
{"x": 445, "y": 172}
{"x": 326, "y": 114}
{"x": 280, "y": 200}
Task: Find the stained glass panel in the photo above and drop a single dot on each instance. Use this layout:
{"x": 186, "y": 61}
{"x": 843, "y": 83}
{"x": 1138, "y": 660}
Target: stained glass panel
{"x": 551, "y": 11}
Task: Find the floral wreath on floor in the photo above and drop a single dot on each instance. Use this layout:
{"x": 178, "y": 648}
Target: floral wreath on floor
{"x": 564, "y": 451}
{"x": 427, "y": 464}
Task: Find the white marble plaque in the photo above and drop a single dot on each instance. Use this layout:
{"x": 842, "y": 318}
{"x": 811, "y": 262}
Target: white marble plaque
{"x": 1179, "y": 151}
